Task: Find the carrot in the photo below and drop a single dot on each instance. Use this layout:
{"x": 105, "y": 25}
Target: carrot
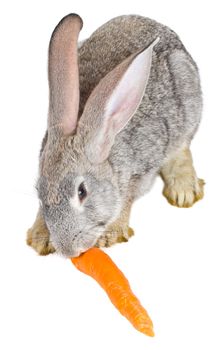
{"x": 99, "y": 266}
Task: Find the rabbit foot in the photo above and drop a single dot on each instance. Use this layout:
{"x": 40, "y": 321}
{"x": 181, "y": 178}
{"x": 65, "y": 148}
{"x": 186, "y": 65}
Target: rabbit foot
{"x": 39, "y": 242}
{"x": 111, "y": 236}
{"x": 182, "y": 193}
{"x": 182, "y": 186}
{"x": 38, "y": 237}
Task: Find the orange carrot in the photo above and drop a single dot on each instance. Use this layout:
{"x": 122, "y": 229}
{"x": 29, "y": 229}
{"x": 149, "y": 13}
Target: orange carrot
{"x": 99, "y": 266}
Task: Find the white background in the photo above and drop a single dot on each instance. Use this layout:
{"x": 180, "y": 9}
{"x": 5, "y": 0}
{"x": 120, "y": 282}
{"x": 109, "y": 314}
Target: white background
{"x": 171, "y": 262}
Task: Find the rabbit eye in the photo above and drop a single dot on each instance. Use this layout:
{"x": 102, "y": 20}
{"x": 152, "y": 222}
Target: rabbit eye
{"x": 82, "y": 192}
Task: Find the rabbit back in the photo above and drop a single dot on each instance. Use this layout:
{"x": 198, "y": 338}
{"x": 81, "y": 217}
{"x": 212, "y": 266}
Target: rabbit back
{"x": 114, "y": 41}
{"x": 170, "y": 111}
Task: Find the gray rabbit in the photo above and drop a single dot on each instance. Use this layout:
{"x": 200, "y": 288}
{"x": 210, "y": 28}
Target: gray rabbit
{"x": 124, "y": 106}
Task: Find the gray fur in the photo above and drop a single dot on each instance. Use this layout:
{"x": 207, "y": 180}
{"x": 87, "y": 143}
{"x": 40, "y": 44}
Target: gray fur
{"x": 166, "y": 119}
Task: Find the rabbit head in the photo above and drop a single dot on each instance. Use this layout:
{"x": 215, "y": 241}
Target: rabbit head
{"x": 77, "y": 187}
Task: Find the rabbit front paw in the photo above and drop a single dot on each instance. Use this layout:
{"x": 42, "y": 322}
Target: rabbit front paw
{"x": 40, "y": 242}
{"x": 38, "y": 237}
{"x": 114, "y": 235}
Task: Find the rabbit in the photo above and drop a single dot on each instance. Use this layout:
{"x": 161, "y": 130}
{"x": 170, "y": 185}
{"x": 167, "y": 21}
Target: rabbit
{"x": 124, "y": 106}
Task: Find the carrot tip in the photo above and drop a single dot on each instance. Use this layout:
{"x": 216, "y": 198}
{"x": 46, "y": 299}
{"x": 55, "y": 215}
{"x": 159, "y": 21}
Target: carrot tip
{"x": 148, "y": 331}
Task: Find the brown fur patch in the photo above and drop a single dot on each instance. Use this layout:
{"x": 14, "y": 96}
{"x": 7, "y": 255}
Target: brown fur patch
{"x": 38, "y": 237}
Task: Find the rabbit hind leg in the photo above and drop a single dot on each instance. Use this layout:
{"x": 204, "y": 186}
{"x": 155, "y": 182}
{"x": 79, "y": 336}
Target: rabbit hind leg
{"x": 182, "y": 187}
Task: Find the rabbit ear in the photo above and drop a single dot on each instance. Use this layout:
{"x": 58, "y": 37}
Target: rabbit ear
{"x": 113, "y": 102}
{"x": 63, "y": 74}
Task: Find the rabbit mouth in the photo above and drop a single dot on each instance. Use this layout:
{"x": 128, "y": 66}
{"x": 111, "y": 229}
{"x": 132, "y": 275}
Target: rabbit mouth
{"x": 80, "y": 243}
{"x": 72, "y": 251}
{"x": 94, "y": 234}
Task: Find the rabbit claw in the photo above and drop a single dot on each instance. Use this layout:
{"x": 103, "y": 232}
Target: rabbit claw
{"x": 111, "y": 236}
{"x": 184, "y": 194}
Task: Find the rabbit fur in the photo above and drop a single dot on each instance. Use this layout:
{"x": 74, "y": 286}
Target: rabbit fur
{"x": 140, "y": 106}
